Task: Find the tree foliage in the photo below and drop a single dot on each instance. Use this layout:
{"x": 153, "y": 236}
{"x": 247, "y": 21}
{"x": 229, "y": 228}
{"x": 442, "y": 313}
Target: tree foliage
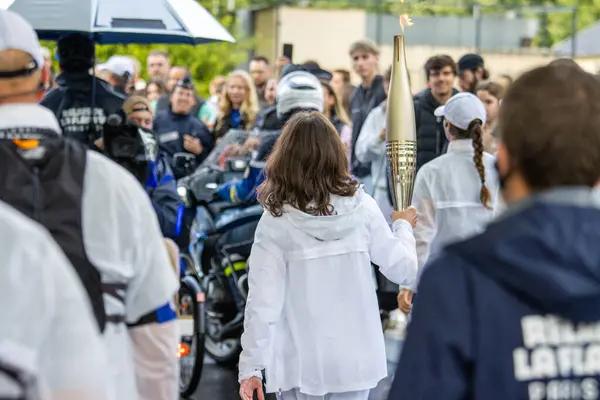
{"x": 204, "y": 61}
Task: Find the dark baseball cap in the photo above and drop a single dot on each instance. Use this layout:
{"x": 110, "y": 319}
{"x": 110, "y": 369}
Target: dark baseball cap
{"x": 470, "y": 62}
{"x": 76, "y": 51}
{"x": 185, "y": 83}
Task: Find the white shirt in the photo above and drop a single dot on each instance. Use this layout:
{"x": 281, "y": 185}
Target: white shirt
{"x": 48, "y": 330}
{"x": 446, "y": 195}
{"x": 371, "y": 149}
{"x": 122, "y": 238}
{"x": 312, "y": 316}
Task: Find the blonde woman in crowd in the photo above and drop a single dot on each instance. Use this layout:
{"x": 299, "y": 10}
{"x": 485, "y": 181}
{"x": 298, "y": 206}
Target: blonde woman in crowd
{"x": 335, "y": 113}
{"x": 238, "y": 106}
{"x": 490, "y": 93}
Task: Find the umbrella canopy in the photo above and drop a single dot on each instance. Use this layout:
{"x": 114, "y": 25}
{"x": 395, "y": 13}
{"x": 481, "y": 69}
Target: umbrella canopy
{"x": 123, "y": 21}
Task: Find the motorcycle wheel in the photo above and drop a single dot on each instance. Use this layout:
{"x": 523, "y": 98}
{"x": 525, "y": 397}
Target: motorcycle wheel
{"x": 226, "y": 352}
{"x": 192, "y": 347}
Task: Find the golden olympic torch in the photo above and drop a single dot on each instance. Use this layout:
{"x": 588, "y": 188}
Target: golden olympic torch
{"x": 401, "y": 128}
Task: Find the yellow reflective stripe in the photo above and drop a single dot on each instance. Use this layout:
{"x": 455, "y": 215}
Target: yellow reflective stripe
{"x": 238, "y": 266}
{"x": 233, "y": 194}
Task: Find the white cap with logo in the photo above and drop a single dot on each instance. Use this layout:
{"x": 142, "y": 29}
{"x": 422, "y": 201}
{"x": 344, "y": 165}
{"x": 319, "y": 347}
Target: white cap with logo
{"x": 17, "y": 34}
{"x": 461, "y": 110}
{"x": 118, "y": 65}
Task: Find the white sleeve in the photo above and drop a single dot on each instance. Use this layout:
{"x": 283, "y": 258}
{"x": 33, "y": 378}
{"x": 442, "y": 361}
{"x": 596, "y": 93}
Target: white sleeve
{"x": 153, "y": 284}
{"x": 425, "y": 230}
{"x": 369, "y": 146}
{"x": 73, "y": 353}
{"x": 156, "y": 342}
{"x": 266, "y": 282}
{"x": 394, "y": 252}
{"x": 346, "y": 136}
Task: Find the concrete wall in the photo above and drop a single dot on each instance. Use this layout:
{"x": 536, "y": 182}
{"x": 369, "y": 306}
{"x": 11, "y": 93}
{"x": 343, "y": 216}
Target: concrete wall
{"x": 496, "y": 33}
{"x": 325, "y": 35}
{"x": 321, "y": 35}
{"x": 265, "y": 33}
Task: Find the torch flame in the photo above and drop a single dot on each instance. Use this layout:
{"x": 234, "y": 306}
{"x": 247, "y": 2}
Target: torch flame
{"x": 405, "y": 21}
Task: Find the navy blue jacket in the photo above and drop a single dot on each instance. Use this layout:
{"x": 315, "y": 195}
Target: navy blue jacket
{"x": 71, "y": 103}
{"x": 162, "y": 189}
{"x": 170, "y": 129}
{"x": 513, "y": 313}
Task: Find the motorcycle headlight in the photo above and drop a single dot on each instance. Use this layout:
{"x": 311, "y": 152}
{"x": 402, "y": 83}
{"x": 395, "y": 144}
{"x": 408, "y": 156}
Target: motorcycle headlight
{"x": 183, "y": 194}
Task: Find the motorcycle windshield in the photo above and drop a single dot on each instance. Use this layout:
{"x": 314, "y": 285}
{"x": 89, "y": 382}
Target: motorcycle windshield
{"x": 232, "y": 137}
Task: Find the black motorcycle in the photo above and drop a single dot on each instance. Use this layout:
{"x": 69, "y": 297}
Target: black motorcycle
{"x": 221, "y": 238}
{"x": 190, "y": 302}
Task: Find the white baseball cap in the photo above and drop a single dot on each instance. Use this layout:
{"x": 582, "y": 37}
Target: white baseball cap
{"x": 461, "y": 110}
{"x": 118, "y": 65}
{"x": 18, "y": 34}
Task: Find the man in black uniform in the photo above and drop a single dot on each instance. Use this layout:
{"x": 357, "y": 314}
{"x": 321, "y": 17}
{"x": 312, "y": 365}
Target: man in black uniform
{"x": 79, "y": 92}
{"x": 180, "y": 131}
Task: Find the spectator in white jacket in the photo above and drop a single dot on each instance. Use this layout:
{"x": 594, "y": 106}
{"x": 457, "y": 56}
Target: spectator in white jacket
{"x": 370, "y": 148}
{"x": 50, "y": 345}
{"x": 456, "y": 193}
{"x": 312, "y": 319}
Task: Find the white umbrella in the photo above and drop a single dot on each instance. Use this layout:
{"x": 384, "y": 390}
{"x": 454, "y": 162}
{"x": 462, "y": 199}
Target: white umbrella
{"x": 123, "y": 21}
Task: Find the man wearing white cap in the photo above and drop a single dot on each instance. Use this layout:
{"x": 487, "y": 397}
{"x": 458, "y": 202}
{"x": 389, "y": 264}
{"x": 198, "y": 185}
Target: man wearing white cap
{"x": 118, "y": 71}
{"x": 98, "y": 214}
{"x": 50, "y": 346}
{"x": 455, "y": 194}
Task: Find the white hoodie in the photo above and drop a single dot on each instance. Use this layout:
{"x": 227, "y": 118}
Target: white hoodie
{"x": 312, "y": 316}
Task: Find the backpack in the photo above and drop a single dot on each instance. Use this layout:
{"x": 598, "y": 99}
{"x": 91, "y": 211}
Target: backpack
{"x": 46, "y": 184}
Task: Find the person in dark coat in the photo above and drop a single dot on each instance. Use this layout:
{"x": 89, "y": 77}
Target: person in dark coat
{"x": 75, "y": 96}
{"x": 431, "y": 139}
{"x": 368, "y": 95}
{"x": 514, "y": 313}
{"x": 180, "y": 131}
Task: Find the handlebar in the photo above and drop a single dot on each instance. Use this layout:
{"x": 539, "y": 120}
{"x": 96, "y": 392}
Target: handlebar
{"x": 223, "y": 206}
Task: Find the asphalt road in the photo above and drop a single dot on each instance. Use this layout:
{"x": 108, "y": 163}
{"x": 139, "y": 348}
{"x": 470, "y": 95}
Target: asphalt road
{"x": 217, "y": 384}
{"x": 221, "y": 384}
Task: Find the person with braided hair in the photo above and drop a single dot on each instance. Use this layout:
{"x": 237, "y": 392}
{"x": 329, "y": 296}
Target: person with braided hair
{"x": 456, "y": 193}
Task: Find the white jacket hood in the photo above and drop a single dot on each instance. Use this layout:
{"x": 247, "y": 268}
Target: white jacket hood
{"x": 346, "y": 218}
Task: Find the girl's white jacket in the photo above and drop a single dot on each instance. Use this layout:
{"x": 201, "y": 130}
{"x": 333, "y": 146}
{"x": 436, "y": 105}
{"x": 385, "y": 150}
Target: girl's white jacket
{"x": 312, "y": 316}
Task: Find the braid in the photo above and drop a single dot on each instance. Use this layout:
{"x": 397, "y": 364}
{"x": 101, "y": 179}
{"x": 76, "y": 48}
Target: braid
{"x": 476, "y": 134}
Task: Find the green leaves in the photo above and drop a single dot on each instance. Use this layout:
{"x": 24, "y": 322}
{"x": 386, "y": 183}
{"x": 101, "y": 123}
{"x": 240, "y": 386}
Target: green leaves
{"x": 204, "y": 61}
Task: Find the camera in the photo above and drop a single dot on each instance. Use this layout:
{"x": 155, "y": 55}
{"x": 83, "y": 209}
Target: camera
{"x": 130, "y": 146}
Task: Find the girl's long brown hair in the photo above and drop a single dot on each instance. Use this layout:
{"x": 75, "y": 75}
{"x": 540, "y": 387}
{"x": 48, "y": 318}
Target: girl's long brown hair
{"x": 308, "y": 165}
{"x": 475, "y": 132}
